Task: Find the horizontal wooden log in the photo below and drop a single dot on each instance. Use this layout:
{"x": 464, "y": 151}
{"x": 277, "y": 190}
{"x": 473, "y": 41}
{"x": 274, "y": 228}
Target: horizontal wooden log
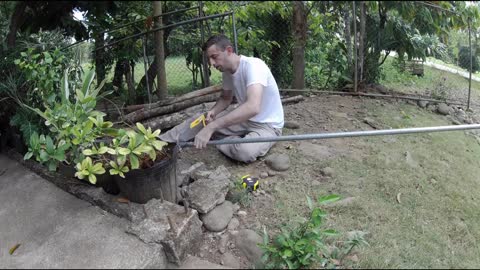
{"x": 168, "y": 121}
{"x": 293, "y": 99}
{"x": 175, "y": 107}
{"x": 172, "y": 100}
{"x": 171, "y": 120}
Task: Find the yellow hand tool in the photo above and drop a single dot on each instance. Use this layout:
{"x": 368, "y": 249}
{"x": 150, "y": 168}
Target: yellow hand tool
{"x": 200, "y": 119}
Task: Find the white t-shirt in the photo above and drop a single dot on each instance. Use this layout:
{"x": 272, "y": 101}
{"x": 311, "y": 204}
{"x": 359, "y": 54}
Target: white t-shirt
{"x": 252, "y": 71}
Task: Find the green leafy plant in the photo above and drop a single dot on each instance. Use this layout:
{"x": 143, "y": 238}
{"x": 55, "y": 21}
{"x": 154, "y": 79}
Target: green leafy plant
{"x": 354, "y": 239}
{"x": 303, "y": 245}
{"x": 129, "y": 150}
{"x": 87, "y": 169}
{"x": 46, "y": 151}
{"x": 238, "y": 194}
{"x": 73, "y": 124}
{"x": 43, "y": 69}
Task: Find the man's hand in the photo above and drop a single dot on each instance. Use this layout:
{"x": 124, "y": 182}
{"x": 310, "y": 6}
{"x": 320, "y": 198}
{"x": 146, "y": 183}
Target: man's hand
{"x": 210, "y": 116}
{"x": 203, "y": 137}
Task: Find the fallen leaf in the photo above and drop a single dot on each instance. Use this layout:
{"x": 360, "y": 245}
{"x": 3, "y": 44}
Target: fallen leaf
{"x": 12, "y": 250}
{"x": 398, "y": 197}
{"x": 123, "y": 200}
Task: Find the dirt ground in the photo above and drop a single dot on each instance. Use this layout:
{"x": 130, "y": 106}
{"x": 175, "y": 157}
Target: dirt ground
{"x": 317, "y": 114}
{"x": 391, "y": 183}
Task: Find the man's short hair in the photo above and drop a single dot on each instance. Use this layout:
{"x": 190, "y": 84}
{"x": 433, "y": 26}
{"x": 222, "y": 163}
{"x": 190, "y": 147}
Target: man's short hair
{"x": 220, "y": 40}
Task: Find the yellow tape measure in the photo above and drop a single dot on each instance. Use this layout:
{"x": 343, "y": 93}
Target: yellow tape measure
{"x": 250, "y": 183}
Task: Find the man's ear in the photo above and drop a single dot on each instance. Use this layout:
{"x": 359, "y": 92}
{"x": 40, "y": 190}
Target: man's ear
{"x": 229, "y": 49}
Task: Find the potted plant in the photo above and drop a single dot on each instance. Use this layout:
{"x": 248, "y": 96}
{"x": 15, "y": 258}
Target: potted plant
{"x": 143, "y": 166}
{"x": 74, "y": 125}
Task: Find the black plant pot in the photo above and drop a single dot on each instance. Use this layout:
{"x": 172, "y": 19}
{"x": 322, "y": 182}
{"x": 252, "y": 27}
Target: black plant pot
{"x": 18, "y": 143}
{"x": 3, "y": 140}
{"x": 142, "y": 185}
{"x": 108, "y": 184}
{"x": 67, "y": 170}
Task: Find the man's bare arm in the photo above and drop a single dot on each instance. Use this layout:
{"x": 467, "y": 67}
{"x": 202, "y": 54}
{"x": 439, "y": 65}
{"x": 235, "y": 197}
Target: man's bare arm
{"x": 242, "y": 113}
{"x": 223, "y": 102}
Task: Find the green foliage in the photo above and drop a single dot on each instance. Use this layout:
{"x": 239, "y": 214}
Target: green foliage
{"x": 263, "y": 30}
{"x": 35, "y": 79}
{"x": 303, "y": 246}
{"x": 27, "y": 122}
{"x": 46, "y": 151}
{"x": 124, "y": 153}
{"x": 43, "y": 70}
{"x": 464, "y": 59}
{"x": 238, "y": 194}
{"x": 74, "y": 124}
{"x": 87, "y": 169}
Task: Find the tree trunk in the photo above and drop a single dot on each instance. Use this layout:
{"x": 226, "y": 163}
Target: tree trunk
{"x": 361, "y": 46}
{"x": 160, "y": 53}
{"x": 99, "y": 57}
{"x": 143, "y": 114}
{"x": 300, "y": 37}
{"x": 118, "y": 75}
{"x": 16, "y": 21}
{"x": 129, "y": 80}
{"x": 348, "y": 40}
{"x": 151, "y": 73}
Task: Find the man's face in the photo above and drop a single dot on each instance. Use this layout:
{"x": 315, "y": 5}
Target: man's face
{"x": 218, "y": 58}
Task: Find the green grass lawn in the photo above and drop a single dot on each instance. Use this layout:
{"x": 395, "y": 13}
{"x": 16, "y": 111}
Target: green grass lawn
{"x": 435, "y": 224}
{"x": 435, "y": 83}
{"x": 438, "y": 61}
{"x": 415, "y": 195}
{"x": 179, "y": 77}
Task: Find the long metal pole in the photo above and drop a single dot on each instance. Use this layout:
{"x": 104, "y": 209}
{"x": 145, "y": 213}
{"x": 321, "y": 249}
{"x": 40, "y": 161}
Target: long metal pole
{"x": 363, "y": 94}
{"x": 154, "y": 17}
{"x": 355, "y": 47}
{"x": 166, "y": 27}
{"x": 234, "y": 33}
{"x": 144, "y": 45}
{"x": 206, "y": 77}
{"x": 470, "y": 72}
{"x": 341, "y": 134}
{"x": 128, "y": 24}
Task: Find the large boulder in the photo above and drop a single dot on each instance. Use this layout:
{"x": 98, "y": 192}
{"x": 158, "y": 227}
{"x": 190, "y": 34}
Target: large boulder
{"x": 278, "y": 162}
{"x": 246, "y": 241}
{"x": 217, "y": 219}
{"x": 206, "y": 193}
{"x": 444, "y": 109}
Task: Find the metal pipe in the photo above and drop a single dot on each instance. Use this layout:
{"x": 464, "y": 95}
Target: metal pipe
{"x": 145, "y": 66}
{"x": 355, "y": 47}
{"x": 234, "y": 32}
{"x": 340, "y": 135}
{"x": 362, "y": 94}
{"x": 154, "y": 17}
{"x": 206, "y": 77}
{"x": 165, "y": 27}
{"x": 470, "y": 71}
{"x": 128, "y": 24}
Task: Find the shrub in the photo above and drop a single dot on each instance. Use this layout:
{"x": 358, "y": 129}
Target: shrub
{"x": 304, "y": 246}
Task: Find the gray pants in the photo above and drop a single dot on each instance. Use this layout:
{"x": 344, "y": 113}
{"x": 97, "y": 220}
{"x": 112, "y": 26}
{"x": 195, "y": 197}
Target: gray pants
{"x": 246, "y": 152}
